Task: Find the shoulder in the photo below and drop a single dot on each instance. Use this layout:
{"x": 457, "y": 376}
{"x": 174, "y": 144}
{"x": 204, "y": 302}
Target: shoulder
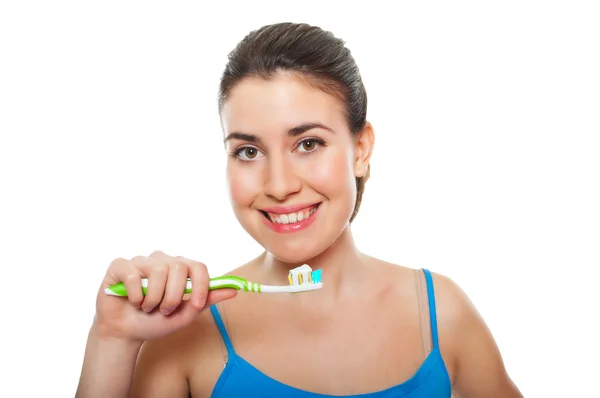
{"x": 454, "y": 309}
{"x": 453, "y": 305}
{"x": 456, "y": 316}
{"x": 175, "y": 349}
{"x": 165, "y": 365}
{"x": 467, "y": 344}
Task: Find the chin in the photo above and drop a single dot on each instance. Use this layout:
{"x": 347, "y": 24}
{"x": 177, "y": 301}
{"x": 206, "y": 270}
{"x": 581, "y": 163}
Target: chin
{"x": 301, "y": 246}
{"x": 297, "y": 253}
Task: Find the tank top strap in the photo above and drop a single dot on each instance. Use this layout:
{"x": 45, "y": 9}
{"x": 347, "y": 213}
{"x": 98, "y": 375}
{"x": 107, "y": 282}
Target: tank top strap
{"x": 432, "y": 311}
{"x": 222, "y": 330}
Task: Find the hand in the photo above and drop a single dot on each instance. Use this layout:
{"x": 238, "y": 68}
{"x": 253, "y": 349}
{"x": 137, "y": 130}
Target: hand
{"x": 138, "y": 318}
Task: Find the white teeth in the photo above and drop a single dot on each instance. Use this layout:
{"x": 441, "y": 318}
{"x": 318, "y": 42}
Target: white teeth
{"x": 292, "y": 217}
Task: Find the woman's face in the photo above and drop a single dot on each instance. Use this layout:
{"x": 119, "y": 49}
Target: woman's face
{"x": 292, "y": 165}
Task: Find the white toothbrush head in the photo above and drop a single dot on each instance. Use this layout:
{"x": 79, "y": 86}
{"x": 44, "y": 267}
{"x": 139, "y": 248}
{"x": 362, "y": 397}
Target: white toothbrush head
{"x": 302, "y": 279}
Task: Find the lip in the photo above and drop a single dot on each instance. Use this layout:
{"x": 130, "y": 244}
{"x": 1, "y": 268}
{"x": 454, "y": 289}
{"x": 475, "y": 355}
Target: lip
{"x": 290, "y": 208}
{"x": 295, "y": 227}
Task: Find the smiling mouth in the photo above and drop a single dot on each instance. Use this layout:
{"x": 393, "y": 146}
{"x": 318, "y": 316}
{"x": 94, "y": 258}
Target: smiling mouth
{"x": 290, "y": 218}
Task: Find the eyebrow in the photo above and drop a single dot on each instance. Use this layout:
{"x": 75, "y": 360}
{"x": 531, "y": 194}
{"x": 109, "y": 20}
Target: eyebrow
{"x": 293, "y": 132}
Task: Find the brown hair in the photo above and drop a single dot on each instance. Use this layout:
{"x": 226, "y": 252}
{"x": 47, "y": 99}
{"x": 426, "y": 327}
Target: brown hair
{"x": 311, "y": 51}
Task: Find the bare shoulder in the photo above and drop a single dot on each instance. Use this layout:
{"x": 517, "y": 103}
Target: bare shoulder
{"x": 383, "y": 269}
{"x": 454, "y": 308}
{"x": 175, "y": 348}
{"x": 468, "y": 344}
{"x": 471, "y": 355}
{"x": 165, "y": 365}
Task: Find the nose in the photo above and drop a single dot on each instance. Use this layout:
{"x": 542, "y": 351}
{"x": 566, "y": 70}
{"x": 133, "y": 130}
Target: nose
{"x": 281, "y": 179}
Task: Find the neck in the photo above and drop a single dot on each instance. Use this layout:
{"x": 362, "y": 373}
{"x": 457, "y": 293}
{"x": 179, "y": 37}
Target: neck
{"x": 341, "y": 264}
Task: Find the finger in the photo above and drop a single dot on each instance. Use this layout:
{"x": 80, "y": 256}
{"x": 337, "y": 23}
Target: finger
{"x": 148, "y": 267}
{"x": 116, "y": 267}
{"x": 125, "y": 271}
{"x": 157, "y": 279}
{"x": 200, "y": 280}
{"x": 161, "y": 256}
{"x": 175, "y": 287}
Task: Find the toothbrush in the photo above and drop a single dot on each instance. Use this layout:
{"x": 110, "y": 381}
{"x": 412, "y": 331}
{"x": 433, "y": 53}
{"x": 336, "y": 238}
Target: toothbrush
{"x": 302, "y": 279}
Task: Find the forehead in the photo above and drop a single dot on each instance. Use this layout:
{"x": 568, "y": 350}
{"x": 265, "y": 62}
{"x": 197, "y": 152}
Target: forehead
{"x": 257, "y": 105}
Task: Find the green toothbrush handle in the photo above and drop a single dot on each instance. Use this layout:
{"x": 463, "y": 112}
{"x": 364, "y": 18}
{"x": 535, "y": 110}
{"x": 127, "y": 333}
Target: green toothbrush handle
{"x": 220, "y": 282}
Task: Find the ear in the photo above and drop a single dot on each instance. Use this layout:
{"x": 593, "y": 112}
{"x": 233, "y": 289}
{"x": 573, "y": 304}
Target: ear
{"x": 364, "y": 149}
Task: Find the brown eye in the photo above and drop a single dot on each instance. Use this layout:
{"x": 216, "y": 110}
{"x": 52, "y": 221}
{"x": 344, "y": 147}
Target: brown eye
{"x": 308, "y": 145}
{"x": 247, "y": 153}
{"x": 250, "y": 152}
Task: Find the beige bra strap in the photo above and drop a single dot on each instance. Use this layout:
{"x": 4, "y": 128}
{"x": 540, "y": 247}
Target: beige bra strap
{"x": 423, "y": 303}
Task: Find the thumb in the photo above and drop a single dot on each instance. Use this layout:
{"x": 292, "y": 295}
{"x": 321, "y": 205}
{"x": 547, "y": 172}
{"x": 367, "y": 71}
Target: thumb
{"x": 216, "y": 296}
{"x": 187, "y": 312}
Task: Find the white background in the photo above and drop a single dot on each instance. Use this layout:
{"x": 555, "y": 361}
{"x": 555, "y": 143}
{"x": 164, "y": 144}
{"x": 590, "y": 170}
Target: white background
{"x": 486, "y": 165}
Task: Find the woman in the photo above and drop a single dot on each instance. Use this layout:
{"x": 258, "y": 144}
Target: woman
{"x": 293, "y": 111}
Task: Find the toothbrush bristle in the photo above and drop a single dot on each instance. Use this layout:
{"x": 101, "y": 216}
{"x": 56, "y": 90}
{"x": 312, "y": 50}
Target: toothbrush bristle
{"x": 304, "y": 275}
{"x": 316, "y": 276}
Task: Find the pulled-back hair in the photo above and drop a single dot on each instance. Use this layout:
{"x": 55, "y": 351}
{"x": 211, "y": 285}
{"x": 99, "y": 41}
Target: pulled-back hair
{"x": 312, "y": 52}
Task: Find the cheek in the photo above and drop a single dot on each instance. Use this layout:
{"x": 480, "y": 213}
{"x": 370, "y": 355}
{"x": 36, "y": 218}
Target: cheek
{"x": 243, "y": 184}
{"x": 332, "y": 174}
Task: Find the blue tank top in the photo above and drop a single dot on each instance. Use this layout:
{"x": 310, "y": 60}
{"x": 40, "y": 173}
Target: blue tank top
{"x": 241, "y": 379}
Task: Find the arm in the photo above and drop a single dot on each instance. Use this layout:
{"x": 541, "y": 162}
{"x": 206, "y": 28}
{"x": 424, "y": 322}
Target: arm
{"x": 118, "y": 369}
{"x": 160, "y": 371}
{"x": 117, "y": 363}
{"x": 479, "y": 370}
{"x": 108, "y": 366}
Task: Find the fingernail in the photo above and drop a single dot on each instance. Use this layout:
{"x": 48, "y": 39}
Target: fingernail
{"x": 166, "y": 311}
{"x": 199, "y": 303}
